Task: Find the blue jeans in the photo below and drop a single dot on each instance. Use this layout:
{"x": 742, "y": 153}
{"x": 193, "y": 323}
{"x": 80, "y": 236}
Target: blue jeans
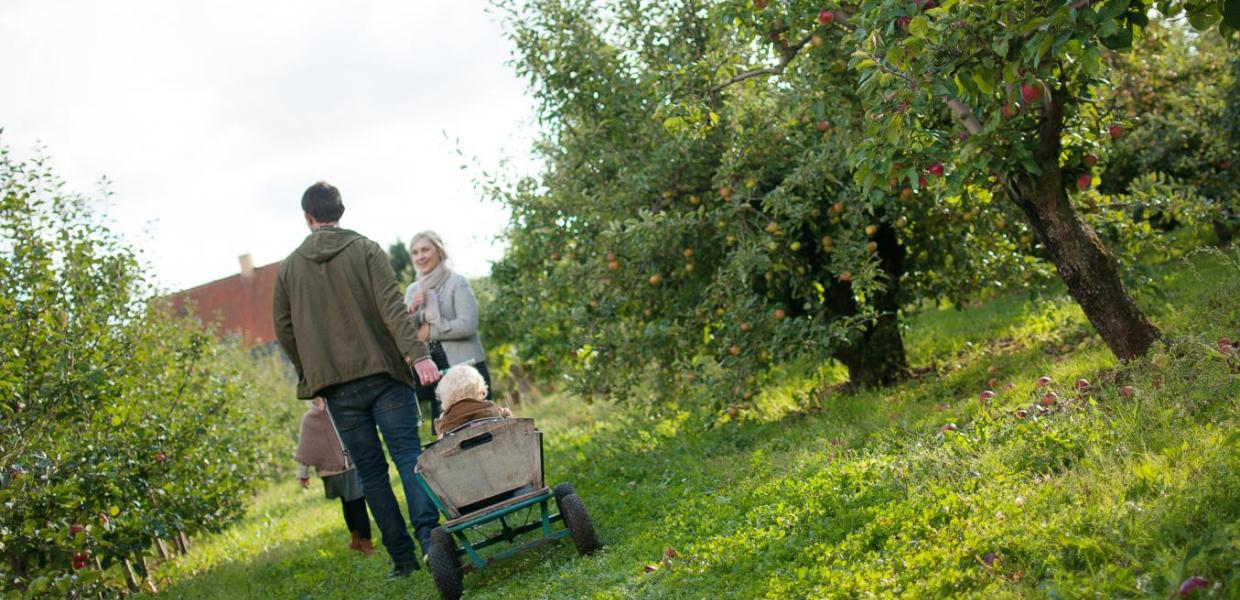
{"x": 358, "y": 407}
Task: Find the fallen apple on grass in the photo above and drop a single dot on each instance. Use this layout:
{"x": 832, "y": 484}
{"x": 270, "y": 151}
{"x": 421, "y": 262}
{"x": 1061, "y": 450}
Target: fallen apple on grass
{"x": 1196, "y": 582}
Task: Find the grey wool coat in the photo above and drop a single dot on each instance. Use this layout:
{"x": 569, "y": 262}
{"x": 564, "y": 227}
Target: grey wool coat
{"x": 457, "y": 328}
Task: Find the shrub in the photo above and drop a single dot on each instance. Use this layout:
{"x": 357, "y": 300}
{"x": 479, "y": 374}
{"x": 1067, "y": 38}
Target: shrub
{"x": 119, "y": 421}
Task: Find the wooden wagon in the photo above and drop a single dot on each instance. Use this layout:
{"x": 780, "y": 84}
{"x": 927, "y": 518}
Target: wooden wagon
{"x": 481, "y": 475}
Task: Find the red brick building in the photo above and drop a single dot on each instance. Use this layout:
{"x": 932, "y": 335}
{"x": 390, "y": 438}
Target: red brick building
{"x": 240, "y": 304}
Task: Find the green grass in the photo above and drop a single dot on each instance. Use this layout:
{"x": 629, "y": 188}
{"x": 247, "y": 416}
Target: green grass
{"x": 863, "y": 495}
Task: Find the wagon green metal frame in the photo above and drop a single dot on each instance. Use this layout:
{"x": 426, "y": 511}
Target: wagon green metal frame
{"x": 498, "y": 512}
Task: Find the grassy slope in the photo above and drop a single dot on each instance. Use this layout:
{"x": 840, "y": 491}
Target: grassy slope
{"x": 863, "y": 494}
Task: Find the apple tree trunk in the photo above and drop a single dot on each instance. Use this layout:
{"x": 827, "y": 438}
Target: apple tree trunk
{"x": 1089, "y": 270}
{"x": 875, "y": 355}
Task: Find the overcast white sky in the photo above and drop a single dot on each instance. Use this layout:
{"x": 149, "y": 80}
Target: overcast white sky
{"x": 211, "y": 118}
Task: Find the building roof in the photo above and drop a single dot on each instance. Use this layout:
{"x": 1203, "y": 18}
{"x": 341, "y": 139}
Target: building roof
{"x": 240, "y": 304}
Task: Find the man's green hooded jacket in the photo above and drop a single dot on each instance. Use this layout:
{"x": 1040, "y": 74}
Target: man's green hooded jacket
{"x": 339, "y": 314}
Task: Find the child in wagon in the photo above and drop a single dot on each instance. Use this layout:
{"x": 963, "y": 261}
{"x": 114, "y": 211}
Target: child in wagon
{"x": 319, "y": 447}
{"x": 463, "y": 393}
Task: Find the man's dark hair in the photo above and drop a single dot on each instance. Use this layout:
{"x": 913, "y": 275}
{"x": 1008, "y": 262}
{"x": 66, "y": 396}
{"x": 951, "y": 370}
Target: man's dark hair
{"x": 322, "y": 201}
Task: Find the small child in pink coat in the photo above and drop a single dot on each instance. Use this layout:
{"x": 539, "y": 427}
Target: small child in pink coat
{"x": 319, "y": 447}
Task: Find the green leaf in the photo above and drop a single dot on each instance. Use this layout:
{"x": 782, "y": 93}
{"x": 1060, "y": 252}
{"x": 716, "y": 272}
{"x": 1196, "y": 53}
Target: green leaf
{"x": 1113, "y": 9}
{"x": 985, "y": 80}
{"x": 1205, "y": 16}
{"x": 919, "y": 26}
{"x": 895, "y": 56}
{"x": 1231, "y": 13}
{"x": 1091, "y": 61}
{"x": 1031, "y": 167}
{"x": 1044, "y": 48}
{"x": 1011, "y": 72}
{"x": 1000, "y": 46}
{"x": 865, "y": 63}
{"x": 1120, "y": 41}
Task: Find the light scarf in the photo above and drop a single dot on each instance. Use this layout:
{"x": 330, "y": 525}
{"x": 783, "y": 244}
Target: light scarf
{"x": 431, "y": 281}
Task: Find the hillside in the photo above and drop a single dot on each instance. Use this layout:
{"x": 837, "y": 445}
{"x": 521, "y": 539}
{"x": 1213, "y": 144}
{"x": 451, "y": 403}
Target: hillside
{"x": 918, "y": 490}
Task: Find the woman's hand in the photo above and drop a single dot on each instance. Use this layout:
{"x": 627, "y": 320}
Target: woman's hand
{"x": 419, "y": 298}
{"x": 424, "y": 332}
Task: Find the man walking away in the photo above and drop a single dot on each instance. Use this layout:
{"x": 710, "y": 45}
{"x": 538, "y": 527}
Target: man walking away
{"x": 343, "y": 323}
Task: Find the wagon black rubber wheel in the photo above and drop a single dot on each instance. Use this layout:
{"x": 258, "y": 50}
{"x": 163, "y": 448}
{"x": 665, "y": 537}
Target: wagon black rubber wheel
{"x": 562, "y": 490}
{"x": 440, "y": 561}
{"x": 440, "y": 536}
{"x": 580, "y": 528}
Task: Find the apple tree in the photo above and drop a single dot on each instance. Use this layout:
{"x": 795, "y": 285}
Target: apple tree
{"x": 696, "y": 220}
{"x": 1179, "y": 88}
{"x": 1004, "y": 95}
{"x": 119, "y": 422}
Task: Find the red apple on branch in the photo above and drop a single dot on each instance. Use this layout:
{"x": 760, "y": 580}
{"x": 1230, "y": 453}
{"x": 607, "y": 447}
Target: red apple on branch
{"x": 1030, "y": 93}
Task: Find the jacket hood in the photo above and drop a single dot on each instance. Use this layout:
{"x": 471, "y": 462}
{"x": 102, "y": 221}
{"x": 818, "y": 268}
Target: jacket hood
{"x": 324, "y": 244}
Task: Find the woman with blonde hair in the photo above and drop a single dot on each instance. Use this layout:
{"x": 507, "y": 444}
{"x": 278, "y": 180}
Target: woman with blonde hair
{"x": 444, "y": 309}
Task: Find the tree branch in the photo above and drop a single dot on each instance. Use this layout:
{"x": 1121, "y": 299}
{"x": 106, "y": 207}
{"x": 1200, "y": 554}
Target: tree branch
{"x": 789, "y": 53}
{"x": 773, "y": 70}
{"x": 965, "y": 115}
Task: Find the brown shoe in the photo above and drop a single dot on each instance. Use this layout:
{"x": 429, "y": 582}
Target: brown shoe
{"x": 356, "y": 542}
{"x": 366, "y": 547}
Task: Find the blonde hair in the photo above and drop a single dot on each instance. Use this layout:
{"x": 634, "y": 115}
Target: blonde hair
{"x": 461, "y": 382}
{"x": 431, "y": 237}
